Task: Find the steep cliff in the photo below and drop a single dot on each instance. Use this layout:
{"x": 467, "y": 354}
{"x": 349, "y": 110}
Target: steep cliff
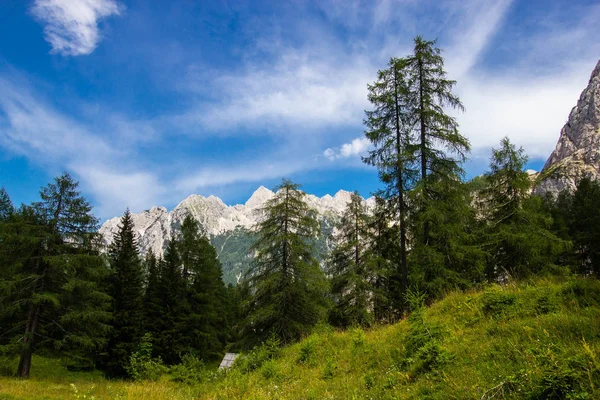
{"x": 577, "y": 153}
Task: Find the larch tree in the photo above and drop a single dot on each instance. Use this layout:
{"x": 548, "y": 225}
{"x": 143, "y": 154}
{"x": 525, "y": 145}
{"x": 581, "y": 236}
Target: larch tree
{"x": 53, "y": 293}
{"x": 440, "y": 147}
{"x": 286, "y": 283}
{"x": 389, "y": 126}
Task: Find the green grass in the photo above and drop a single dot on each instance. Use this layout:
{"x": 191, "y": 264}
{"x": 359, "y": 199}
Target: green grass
{"x": 536, "y": 340}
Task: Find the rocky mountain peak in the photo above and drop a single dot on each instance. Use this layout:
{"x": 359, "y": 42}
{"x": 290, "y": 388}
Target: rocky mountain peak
{"x": 156, "y": 226}
{"x": 259, "y": 197}
{"x": 577, "y": 153}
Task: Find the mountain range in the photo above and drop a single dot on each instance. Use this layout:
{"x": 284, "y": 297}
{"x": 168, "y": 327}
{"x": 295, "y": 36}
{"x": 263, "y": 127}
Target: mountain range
{"x": 229, "y": 228}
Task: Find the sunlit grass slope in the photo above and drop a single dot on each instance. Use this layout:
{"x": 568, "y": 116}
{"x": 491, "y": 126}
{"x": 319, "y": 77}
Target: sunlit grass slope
{"x": 533, "y": 340}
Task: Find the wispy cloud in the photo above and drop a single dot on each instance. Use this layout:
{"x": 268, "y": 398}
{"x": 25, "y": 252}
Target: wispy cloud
{"x": 71, "y": 26}
{"x": 301, "y": 88}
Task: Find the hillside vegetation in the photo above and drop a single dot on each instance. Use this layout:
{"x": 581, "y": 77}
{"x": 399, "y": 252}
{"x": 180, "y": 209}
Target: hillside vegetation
{"x": 532, "y": 340}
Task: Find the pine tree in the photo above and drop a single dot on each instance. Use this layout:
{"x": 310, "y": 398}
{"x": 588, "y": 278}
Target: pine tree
{"x": 351, "y": 267}
{"x": 440, "y": 147}
{"x": 389, "y": 126}
{"x": 127, "y": 291}
{"x": 53, "y": 293}
{"x": 518, "y": 236}
{"x": 286, "y": 283}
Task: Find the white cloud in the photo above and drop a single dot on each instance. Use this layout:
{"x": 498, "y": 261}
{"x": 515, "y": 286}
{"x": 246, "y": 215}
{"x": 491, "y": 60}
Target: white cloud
{"x": 481, "y": 22}
{"x": 114, "y": 190}
{"x": 356, "y": 147}
{"x": 529, "y": 110}
{"x": 72, "y": 25}
{"x": 301, "y": 89}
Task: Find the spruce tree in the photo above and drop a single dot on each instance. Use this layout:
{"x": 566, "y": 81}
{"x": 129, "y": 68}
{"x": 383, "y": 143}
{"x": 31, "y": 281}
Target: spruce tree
{"x": 351, "y": 267}
{"x": 518, "y": 235}
{"x": 53, "y": 293}
{"x": 127, "y": 291}
{"x": 286, "y": 283}
{"x": 207, "y": 318}
{"x": 171, "y": 338}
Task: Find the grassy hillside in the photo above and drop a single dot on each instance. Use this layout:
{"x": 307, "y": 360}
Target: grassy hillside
{"x": 532, "y": 341}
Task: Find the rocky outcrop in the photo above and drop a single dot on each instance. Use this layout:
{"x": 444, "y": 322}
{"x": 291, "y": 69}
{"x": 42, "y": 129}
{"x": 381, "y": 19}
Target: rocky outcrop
{"x": 577, "y": 153}
{"x": 156, "y": 226}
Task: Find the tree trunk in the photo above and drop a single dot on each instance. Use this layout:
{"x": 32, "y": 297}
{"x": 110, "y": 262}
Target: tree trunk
{"x": 28, "y": 341}
{"x": 400, "y": 188}
{"x": 423, "y": 150}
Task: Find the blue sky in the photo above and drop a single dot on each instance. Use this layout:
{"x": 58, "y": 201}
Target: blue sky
{"x": 147, "y": 102}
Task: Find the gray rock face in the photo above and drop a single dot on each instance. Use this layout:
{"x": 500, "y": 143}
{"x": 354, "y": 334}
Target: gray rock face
{"x": 156, "y": 226}
{"x": 577, "y": 153}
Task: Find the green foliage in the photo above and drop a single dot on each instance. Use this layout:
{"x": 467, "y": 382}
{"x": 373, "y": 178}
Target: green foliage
{"x": 584, "y": 226}
{"x": 353, "y": 268}
{"x": 307, "y": 350}
{"x": 518, "y": 236}
{"x": 452, "y": 257}
{"x": 127, "y": 290}
{"x": 191, "y": 370}
{"x": 532, "y": 355}
{"x": 255, "y": 358}
{"x": 496, "y": 303}
{"x": 285, "y": 281}
{"x": 422, "y": 349}
{"x": 6, "y": 205}
{"x": 50, "y": 285}
{"x": 142, "y": 366}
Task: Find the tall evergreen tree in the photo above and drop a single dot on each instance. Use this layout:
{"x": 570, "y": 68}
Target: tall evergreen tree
{"x": 207, "y": 296}
{"x": 127, "y": 290}
{"x": 384, "y": 248}
{"x": 287, "y": 285}
{"x": 440, "y": 147}
{"x": 352, "y": 267}
{"x": 171, "y": 338}
{"x": 388, "y": 128}
{"x": 53, "y": 293}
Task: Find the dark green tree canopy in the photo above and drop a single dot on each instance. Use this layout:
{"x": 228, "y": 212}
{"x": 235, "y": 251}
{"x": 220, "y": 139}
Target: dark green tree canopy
{"x": 287, "y": 285}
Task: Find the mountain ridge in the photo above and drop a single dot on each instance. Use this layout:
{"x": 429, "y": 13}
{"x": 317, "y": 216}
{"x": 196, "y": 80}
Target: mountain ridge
{"x": 157, "y": 225}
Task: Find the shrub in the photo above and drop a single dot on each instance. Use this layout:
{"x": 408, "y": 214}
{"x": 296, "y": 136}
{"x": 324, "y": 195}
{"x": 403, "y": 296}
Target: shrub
{"x": 585, "y": 291}
{"x": 256, "y": 357}
{"x": 189, "y": 371}
{"x": 307, "y": 350}
{"x": 496, "y": 303}
{"x": 141, "y": 364}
